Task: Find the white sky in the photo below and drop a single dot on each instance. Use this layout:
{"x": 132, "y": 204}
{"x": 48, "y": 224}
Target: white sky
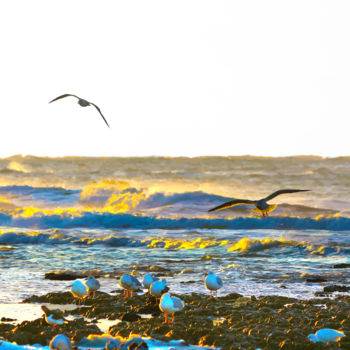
{"x": 175, "y": 77}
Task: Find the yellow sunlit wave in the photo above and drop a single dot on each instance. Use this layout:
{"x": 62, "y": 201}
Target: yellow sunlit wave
{"x": 247, "y": 244}
{"x": 95, "y": 188}
{"x": 172, "y": 243}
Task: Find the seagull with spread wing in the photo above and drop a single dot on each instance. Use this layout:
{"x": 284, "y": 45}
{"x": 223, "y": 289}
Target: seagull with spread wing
{"x": 261, "y": 205}
{"x": 82, "y": 103}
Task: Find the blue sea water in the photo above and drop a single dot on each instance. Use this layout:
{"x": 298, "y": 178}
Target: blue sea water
{"x": 109, "y": 215}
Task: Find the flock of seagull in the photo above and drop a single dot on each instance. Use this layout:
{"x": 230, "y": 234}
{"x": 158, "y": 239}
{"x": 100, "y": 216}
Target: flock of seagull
{"x": 156, "y": 287}
{"x": 128, "y": 281}
{"x": 167, "y": 304}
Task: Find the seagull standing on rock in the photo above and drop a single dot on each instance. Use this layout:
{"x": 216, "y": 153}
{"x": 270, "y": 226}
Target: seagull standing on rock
{"x": 158, "y": 288}
{"x": 213, "y": 282}
{"x": 92, "y": 284}
{"x": 261, "y": 205}
{"x": 170, "y": 305}
{"x": 79, "y": 290}
{"x": 130, "y": 283}
{"x": 82, "y": 103}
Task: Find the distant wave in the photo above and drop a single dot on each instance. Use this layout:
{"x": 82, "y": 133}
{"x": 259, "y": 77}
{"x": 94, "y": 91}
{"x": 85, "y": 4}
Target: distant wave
{"x": 120, "y": 197}
{"x": 110, "y": 221}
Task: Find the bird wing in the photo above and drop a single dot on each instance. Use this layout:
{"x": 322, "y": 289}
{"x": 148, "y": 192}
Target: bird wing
{"x": 63, "y": 96}
{"x": 177, "y": 302}
{"x": 277, "y": 193}
{"x": 99, "y": 111}
{"x": 219, "y": 281}
{"x": 232, "y": 203}
{"x": 135, "y": 281}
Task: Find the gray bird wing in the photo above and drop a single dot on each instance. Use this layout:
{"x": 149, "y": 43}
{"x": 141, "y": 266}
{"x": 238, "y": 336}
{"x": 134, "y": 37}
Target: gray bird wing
{"x": 219, "y": 281}
{"x": 99, "y": 111}
{"x": 135, "y": 280}
{"x": 232, "y": 203}
{"x": 63, "y": 96}
{"x": 277, "y": 193}
{"x": 178, "y": 303}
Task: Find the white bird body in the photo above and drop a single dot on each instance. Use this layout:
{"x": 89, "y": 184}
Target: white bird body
{"x": 148, "y": 279}
{"x": 53, "y": 317}
{"x": 60, "y": 342}
{"x": 79, "y": 289}
{"x": 54, "y": 322}
{"x": 170, "y": 305}
{"x": 213, "y": 282}
{"x": 129, "y": 283}
{"x": 92, "y": 284}
{"x": 261, "y": 205}
{"x": 158, "y": 288}
{"x": 326, "y": 335}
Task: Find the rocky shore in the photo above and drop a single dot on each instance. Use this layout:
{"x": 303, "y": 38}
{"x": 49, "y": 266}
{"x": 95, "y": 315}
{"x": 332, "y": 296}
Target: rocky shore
{"x": 229, "y": 322}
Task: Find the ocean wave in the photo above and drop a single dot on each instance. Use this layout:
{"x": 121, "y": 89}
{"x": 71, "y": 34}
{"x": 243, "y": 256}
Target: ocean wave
{"x": 108, "y": 220}
{"x": 47, "y": 196}
{"x": 121, "y": 197}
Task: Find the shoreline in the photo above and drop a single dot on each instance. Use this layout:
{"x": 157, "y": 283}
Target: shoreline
{"x": 232, "y": 321}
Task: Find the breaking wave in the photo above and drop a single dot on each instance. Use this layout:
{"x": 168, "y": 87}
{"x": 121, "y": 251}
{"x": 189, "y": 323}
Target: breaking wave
{"x": 117, "y": 221}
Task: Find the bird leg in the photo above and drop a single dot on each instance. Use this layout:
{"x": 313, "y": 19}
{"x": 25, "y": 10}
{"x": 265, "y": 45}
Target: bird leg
{"x": 166, "y": 318}
{"x": 172, "y": 319}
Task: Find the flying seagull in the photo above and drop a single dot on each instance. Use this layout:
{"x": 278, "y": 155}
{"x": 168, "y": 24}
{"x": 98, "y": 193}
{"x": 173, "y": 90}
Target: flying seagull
{"x": 261, "y": 205}
{"x": 82, "y": 103}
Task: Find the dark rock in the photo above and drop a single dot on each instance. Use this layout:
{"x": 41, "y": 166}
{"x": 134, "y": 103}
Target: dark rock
{"x": 130, "y": 317}
{"x": 63, "y": 276}
{"x": 230, "y": 322}
{"x": 188, "y": 282}
{"x": 340, "y": 266}
{"x": 5, "y": 327}
{"x": 316, "y": 279}
{"x": 39, "y": 332}
{"x": 336, "y": 288}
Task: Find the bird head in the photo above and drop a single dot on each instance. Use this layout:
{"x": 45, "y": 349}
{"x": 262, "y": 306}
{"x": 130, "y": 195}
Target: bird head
{"x": 313, "y": 338}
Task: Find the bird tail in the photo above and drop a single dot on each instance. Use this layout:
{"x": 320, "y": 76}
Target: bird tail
{"x": 271, "y": 208}
{"x": 256, "y": 210}
{"x": 268, "y": 210}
